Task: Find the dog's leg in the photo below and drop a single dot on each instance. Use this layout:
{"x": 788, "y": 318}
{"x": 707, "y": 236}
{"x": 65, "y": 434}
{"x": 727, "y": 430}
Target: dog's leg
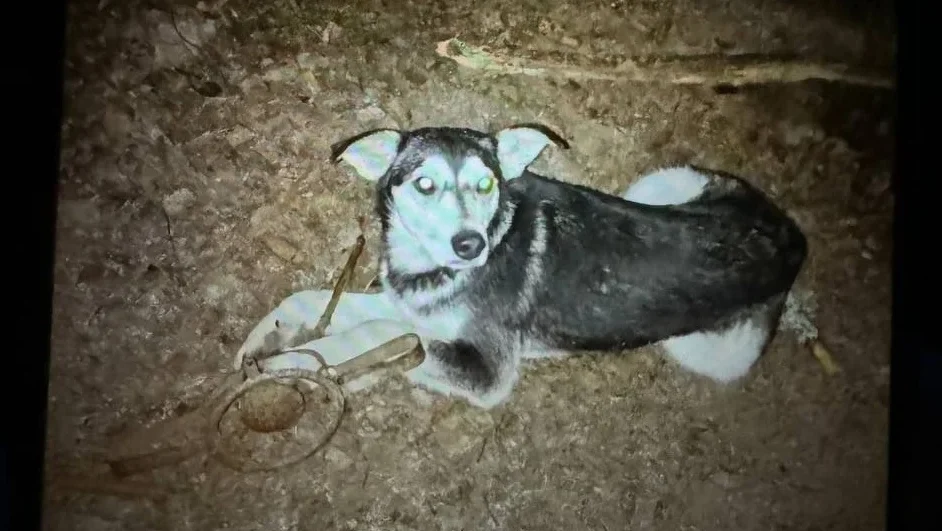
{"x": 485, "y": 378}
{"x": 297, "y": 315}
{"x": 340, "y": 347}
{"x": 727, "y": 354}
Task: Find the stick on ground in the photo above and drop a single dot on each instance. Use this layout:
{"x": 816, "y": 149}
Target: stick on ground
{"x": 345, "y": 275}
{"x": 714, "y": 69}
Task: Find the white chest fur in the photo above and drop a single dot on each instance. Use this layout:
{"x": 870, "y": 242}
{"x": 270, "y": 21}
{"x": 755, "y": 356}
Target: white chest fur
{"x": 444, "y": 323}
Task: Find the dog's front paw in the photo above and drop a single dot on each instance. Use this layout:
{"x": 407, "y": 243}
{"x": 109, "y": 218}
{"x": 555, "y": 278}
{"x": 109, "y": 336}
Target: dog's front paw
{"x": 270, "y": 336}
{"x": 288, "y": 325}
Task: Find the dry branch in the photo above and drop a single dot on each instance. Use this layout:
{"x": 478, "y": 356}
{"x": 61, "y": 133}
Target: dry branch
{"x": 716, "y": 69}
{"x": 823, "y": 355}
{"x": 109, "y": 487}
{"x": 345, "y": 275}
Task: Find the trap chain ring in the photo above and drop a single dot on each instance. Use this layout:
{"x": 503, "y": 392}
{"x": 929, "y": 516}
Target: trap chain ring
{"x": 230, "y": 457}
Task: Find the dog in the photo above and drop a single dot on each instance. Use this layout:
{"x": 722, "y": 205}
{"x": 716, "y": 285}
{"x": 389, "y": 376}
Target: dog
{"x": 492, "y": 264}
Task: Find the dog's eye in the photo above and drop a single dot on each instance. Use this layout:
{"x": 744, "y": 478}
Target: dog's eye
{"x": 486, "y": 185}
{"x": 425, "y": 185}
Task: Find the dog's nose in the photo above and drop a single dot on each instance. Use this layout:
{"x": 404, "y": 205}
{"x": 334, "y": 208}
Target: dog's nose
{"x": 468, "y": 244}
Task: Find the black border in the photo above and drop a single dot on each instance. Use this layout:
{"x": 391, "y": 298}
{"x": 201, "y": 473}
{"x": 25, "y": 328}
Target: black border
{"x": 915, "y": 391}
{"x": 34, "y": 98}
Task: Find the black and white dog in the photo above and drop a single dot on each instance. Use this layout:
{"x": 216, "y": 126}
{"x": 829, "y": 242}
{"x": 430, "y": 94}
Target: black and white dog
{"x": 492, "y": 264}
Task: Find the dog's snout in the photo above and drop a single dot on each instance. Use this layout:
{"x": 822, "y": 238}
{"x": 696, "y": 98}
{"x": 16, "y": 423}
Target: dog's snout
{"x": 468, "y": 244}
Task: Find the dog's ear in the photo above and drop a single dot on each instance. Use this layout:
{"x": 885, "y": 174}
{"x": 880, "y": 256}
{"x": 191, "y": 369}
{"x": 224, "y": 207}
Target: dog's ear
{"x": 519, "y": 145}
{"x": 370, "y": 153}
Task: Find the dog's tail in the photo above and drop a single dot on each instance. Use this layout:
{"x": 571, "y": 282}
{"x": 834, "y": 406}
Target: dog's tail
{"x": 728, "y": 352}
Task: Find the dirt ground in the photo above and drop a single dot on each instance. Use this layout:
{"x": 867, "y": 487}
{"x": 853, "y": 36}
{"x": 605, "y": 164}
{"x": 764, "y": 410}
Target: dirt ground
{"x": 196, "y": 194}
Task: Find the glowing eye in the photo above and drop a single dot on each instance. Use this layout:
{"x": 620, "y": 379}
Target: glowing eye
{"x": 486, "y": 185}
{"x": 425, "y": 185}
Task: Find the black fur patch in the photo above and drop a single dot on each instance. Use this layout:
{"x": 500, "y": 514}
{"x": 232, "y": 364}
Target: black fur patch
{"x": 465, "y": 363}
{"x": 453, "y": 143}
{"x": 552, "y": 135}
{"x": 403, "y": 282}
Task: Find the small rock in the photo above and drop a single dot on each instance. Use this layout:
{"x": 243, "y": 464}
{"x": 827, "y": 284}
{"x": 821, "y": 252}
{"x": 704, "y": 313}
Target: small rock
{"x": 309, "y": 61}
{"x": 377, "y": 417}
{"x": 331, "y": 32}
{"x": 796, "y": 134}
{"x": 722, "y": 479}
{"x": 571, "y": 42}
{"x": 281, "y": 74}
{"x": 178, "y": 201}
{"x": 723, "y": 44}
{"x": 312, "y": 84}
{"x": 370, "y": 114}
{"x": 282, "y": 249}
{"x": 263, "y": 220}
{"x": 254, "y": 88}
{"x": 451, "y": 434}
{"x": 337, "y": 458}
{"x": 78, "y": 212}
{"x": 422, "y": 397}
{"x": 223, "y": 288}
{"x": 170, "y": 49}
{"x": 117, "y": 124}
{"x": 238, "y": 136}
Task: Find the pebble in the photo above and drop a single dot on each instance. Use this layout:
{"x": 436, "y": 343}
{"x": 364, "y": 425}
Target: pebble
{"x": 178, "y": 201}
{"x": 337, "y": 458}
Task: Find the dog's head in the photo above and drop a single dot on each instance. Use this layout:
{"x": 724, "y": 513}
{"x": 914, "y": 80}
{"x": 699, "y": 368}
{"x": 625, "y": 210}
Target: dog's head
{"x": 439, "y": 187}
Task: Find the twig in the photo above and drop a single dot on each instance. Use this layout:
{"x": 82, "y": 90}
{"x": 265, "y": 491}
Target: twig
{"x": 173, "y": 245}
{"x": 481, "y": 452}
{"x": 824, "y": 357}
{"x": 715, "y": 69}
{"x": 345, "y": 275}
{"x": 487, "y": 505}
{"x": 111, "y": 487}
{"x": 194, "y": 49}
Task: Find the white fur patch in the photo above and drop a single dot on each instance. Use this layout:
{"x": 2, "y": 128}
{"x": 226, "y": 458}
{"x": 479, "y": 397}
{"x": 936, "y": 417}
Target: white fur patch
{"x": 372, "y": 155}
{"x": 422, "y": 225}
{"x": 535, "y": 351}
{"x": 517, "y": 148}
{"x": 472, "y": 171}
{"x": 433, "y": 377}
{"x": 534, "y": 274}
{"x": 724, "y": 356}
{"x": 668, "y": 186}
